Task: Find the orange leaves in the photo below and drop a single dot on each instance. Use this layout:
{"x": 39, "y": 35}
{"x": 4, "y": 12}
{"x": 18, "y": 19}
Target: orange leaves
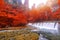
{"x": 41, "y": 14}
{"x": 59, "y": 2}
{"x": 56, "y": 15}
{"x": 44, "y": 14}
{"x": 11, "y": 16}
{"x": 16, "y": 16}
{"x": 20, "y": 19}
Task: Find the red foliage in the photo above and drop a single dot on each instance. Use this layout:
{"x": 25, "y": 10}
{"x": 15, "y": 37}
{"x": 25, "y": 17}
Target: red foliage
{"x": 59, "y": 2}
{"x": 56, "y": 15}
{"x": 41, "y": 14}
{"x": 15, "y": 17}
{"x": 10, "y": 16}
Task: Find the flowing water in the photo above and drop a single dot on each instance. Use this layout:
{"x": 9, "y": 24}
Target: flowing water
{"x": 47, "y": 29}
